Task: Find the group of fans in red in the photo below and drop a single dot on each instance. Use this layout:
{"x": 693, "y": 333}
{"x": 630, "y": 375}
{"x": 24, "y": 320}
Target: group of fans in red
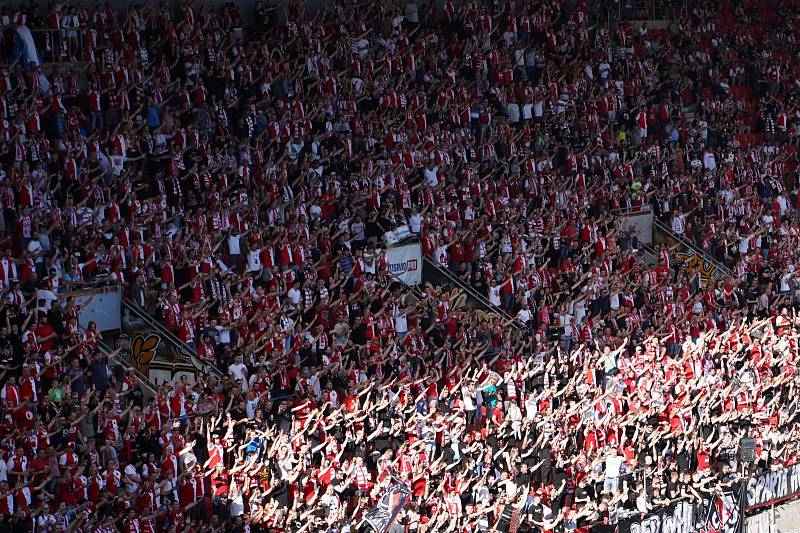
{"x": 235, "y": 173}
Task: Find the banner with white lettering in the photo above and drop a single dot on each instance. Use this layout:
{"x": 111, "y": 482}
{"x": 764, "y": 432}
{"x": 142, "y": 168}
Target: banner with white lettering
{"x": 723, "y": 513}
{"x": 405, "y": 263}
{"x": 771, "y": 487}
{"x": 787, "y": 517}
{"x": 761, "y": 523}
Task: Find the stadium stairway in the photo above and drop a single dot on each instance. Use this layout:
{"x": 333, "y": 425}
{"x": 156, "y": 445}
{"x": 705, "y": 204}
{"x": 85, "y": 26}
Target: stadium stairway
{"x": 133, "y": 317}
{"x": 435, "y": 274}
{"x": 120, "y": 365}
{"x": 686, "y": 246}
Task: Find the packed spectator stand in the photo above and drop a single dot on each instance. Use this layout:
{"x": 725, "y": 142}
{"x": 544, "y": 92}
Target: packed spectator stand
{"x": 235, "y": 172}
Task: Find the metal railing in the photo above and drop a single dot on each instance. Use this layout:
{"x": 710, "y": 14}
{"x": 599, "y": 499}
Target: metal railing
{"x": 627, "y": 211}
{"x": 189, "y": 353}
{"x": 651, "y": 9}
{"x": 117, "y": 360}
{"x": 691, "y": 246}
{"x": 62, "y": 46}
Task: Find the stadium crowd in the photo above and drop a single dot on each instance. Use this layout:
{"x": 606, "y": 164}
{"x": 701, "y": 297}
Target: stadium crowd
{"x": 235, "y": 173}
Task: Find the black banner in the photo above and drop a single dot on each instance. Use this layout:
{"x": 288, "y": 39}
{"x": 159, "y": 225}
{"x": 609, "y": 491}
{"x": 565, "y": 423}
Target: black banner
{"x": 772, "y": 487}
{"x": 723, "y": 513}
{"x": 388, "y": 507}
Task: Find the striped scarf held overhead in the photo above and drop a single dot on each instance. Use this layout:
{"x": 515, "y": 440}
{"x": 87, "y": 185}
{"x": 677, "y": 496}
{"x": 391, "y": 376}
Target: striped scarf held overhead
{"x": 515, "y": 521}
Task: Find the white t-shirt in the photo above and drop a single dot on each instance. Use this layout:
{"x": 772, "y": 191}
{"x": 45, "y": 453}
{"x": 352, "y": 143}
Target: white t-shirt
{"x": 254, "y": 260}
{"x": 744, "y": 245}
{"x": 251, "y": 407}
{"x": 511, "y": 489}
{"x": 641, "y": 504}
{"x": 613, "y": 464}
{"x": 782, "y": 203}
{"x": 415, "y": 221}
{"x": 294, "y": 295}
{"x": 469, "y": 399}
{"x": 169, "y": 486}
{"x": 34, "y": 246}
{"x": 400, "y": 322}
{"x": 233, "y": 244}
{"x": 678, "y": 225}
{"x": 519, "y": 57}
{"x": 580, "y": 312}
{"x": 494, "y": 295}
{"x": 709, "y": 161}
{"x": 237, "y": 505}
{"x": 785, "y": 281}
{"x": 223, "y": 335}
{"x": 48, "y": 296}
{"x": 239, "y": 371}
{"x": 130, "y": 471}
{"x": 431, "y": 180}
{"x": 527, "y": 111}
{"x": 441, "y": 255}
{"x": 331, "y": 501}
{"x": 530, "y": 407}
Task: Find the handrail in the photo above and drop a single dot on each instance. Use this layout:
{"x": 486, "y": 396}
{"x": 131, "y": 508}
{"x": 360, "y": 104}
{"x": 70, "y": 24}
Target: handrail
{"x": 687, "y": 243}
{"x": 146, "y": 383}
{"x": 186, "y": 350}
{"x": 412, "y": 289}
{"x": 54, "y": 50}
{"x": 458, "y": 282}
{"x": 650, "y": 10}
{"x": 633, "y": 210}
{"x": 99, "y": 282}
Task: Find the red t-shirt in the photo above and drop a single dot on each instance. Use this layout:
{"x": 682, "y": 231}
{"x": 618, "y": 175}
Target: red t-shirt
{"x": 42, "y": 331}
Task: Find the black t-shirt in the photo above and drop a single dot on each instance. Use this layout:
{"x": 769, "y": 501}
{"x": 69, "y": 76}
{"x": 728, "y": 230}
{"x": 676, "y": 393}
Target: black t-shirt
{"x": 560, "y": 478}
{"x": 382, "y": 440}
{"x": 285, "y": 423}
{"x": 149, "y": 445}
{"x": 641, "y": 457}
{"x": 672, "y": 489}
{"x": 200, "y": 446}
{"x": 493, "y": 442}
{"x": 372, "y": 229}
{"x": 544, "y": 455}
{"x": 684, "y": 461}
{"x": 536, "y": 511}
{"x": 581, "y": 493}
{"x": 281, "y": 494}
{"x": 630, "y": 503}
{"x": 448, "y": 454}
{"x": 186, "y": 118}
